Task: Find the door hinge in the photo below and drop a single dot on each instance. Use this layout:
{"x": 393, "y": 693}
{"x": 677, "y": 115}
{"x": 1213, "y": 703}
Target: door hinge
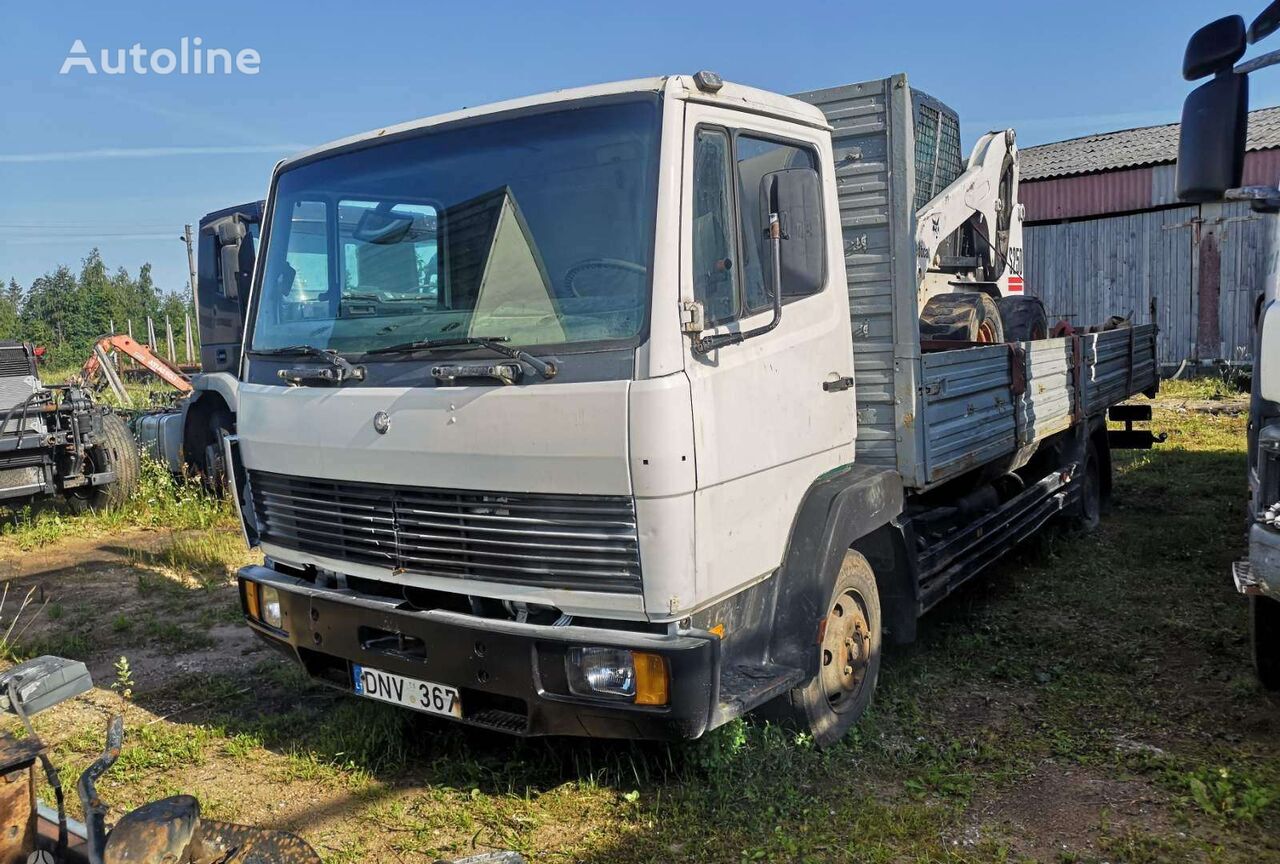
{"x": 838, "y": 385}
{"x": 692, "y": 317}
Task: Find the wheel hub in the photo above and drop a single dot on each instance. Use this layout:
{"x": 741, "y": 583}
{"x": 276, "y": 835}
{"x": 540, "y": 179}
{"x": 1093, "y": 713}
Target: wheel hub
{"x": 846, "y": 650}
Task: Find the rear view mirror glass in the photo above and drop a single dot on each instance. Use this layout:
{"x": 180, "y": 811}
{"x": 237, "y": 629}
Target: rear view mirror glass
{"x": 796, "y": 193}
{"x": 382, "y": 228}
{"x": 1267, "y": 22}
{"x": 1215, "y": 120}
{"x": 1214, "y": 48}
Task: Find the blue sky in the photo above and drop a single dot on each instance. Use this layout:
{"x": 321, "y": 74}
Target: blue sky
{"x": 121, "y": 162}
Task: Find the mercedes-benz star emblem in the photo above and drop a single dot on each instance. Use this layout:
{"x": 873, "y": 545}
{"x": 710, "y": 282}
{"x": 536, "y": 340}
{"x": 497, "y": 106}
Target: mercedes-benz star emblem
{"x": 382, "y": 422}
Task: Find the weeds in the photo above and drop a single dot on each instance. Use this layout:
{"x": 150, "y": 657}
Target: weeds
{"x": 124, "y": 678}
{"x": 1035, "y": 709}
{"x": 160, "y": 501}
{"x": 1219, "y": 792}
{"x": 11, "y": 634}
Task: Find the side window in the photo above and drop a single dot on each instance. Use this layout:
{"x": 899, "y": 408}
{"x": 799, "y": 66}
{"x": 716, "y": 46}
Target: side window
{"x": 308, "y": 252}
{"x": 714, "y": 275}
{"x": 757, "y": 157}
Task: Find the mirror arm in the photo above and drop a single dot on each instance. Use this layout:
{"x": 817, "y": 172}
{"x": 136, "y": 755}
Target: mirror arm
{"x": 1252, "y": 193}
{"x": 707, "y": 344}
{"x": 1262, "y": 61}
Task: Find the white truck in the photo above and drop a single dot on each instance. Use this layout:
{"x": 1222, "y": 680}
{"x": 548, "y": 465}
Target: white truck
{"x": 607, "y": 412}
{"x": 1211, "y": 159}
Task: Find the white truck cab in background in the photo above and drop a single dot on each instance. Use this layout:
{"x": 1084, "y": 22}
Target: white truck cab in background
{"x": 1211, "y": 154}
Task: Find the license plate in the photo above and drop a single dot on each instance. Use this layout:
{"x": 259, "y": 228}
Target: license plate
{"x": 409, "y": 692}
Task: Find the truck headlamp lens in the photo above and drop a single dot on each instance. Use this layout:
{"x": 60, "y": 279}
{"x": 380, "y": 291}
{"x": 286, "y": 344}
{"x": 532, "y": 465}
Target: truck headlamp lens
{"x": 270, "y": 600}
{"x": 635, "y": 675}
{"x": 601, "y": 672}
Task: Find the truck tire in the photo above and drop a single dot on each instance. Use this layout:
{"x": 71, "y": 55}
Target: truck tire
{"x": 1089, "y": 514}
{"x": 1264, "y": 640}
{"x": 1023, "y": 318}
{"x": 117, "y": 451}
{"x": 213, "y": 470}
{"x": 965, "y": 316}
{"x": 830, "y": 703}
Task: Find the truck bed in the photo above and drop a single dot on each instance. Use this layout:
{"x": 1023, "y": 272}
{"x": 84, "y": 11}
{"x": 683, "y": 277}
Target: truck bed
{"x": 935, "y": 415}
{"x": 979, "y": 404}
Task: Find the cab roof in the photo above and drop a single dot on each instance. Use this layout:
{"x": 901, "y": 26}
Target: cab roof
{"x": 680, "y": 87}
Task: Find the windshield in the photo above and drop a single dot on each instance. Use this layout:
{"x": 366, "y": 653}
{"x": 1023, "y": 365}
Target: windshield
{"x": 537, "y": 228}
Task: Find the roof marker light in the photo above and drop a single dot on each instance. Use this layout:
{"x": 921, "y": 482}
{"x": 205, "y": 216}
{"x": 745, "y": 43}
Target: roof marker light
{"x": 708, "y": 82}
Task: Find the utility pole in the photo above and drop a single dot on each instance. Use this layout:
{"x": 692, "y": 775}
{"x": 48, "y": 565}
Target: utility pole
{"x": 191, "y": 259}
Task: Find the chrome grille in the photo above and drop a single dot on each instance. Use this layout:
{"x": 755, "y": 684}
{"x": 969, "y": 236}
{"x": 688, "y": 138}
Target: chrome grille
{"x": 555, "y": 541}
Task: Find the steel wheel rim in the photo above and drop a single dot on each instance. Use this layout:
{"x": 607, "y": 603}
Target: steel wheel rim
{"x": 986, "y": 332}
{"x": 846, "y": 651}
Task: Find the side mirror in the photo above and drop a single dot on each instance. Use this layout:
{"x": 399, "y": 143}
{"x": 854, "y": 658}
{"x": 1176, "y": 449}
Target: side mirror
{"x": 1215, "y": 120}
{"x": 1215, "y": 47}
{"x": 1267, "y": 22}
{"x": 795, "y": 194}
{"x": 230, "y": 236}
{"x": 1267, "y": 362}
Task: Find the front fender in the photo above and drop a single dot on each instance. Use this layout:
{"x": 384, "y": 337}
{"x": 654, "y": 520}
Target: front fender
{"x": 839, "y": 509}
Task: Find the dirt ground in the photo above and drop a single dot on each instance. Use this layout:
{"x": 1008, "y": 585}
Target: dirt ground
{"x": 1090, "y": 700}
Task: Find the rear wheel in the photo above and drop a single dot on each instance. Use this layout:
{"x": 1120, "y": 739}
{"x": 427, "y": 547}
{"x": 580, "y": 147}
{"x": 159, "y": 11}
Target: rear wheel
{"x": 848, "y": 660}
{"x": 1023, "y": 318}
{"x": 1089, "y": 516}
{"x": 1264, "y": 640}
{"x": 116, "y": 451}
{"x": 961, "y": 317}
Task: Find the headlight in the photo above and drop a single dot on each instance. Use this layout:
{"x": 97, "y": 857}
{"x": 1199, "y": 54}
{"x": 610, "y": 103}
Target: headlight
{"x": 601, "y": 671}
{"x": 271, "y": 607}
{"x": 633, "y": 675}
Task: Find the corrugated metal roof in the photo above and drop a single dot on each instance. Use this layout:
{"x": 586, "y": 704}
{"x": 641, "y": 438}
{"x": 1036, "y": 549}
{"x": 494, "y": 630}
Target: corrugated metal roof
{"x": 1129, "y": 148}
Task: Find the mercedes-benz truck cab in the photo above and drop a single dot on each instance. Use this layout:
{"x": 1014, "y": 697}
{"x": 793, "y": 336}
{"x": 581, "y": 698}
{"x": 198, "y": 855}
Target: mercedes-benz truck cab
{"x": 548, "y": 410}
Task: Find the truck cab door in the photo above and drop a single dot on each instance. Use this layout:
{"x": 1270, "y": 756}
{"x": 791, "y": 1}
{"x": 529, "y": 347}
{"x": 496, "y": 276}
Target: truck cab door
{"x": 774, "y": 412}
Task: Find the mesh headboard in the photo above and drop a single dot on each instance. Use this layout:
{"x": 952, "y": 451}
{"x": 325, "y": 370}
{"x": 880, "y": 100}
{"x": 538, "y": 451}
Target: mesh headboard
{"x": 938, "y": 159}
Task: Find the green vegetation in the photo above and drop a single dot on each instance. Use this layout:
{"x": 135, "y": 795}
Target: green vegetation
{"x": 1088, "y": 700}
{"x": 1205, "y": 387}
{"x": 161, "y": 501}
{"x": 67, "y": 311}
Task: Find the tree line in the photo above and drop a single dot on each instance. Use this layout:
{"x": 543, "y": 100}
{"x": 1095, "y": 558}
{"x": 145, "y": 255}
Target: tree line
{"x": 66, "y": 312}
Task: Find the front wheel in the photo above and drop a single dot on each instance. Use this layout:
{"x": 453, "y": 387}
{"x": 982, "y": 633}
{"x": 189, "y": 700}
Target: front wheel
{"x": 830, "y": 703}
{"x": 213, "y": 471}
{"x": 1264, "y": 640}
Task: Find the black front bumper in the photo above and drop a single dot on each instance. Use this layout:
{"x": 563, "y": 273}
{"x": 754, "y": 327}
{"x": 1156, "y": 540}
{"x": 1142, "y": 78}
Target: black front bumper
{"x": 511, "y": 676}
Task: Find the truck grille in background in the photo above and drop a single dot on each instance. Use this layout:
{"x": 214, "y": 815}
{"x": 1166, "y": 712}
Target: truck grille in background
{"x": 14, "y": 363}
{"x": 554, "y": 541}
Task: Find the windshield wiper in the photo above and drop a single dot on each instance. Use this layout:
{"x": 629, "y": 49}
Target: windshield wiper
{"x": 339, "y": 370}
{"x": 545, "y": 368}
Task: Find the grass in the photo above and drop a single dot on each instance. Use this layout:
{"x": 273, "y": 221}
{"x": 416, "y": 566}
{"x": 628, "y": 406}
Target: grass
{"x": 1205, "y": 387}
{"x": 1088, "y": 700}
{"x": 160, "y": 501}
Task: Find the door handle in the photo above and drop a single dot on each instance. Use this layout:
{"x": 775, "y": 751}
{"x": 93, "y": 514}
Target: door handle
{"x": 838, "y": 385}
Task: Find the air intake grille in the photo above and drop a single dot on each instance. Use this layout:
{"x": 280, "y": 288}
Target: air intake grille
{"x": 15, "y": 362}
{"x": 555, "y": 541}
